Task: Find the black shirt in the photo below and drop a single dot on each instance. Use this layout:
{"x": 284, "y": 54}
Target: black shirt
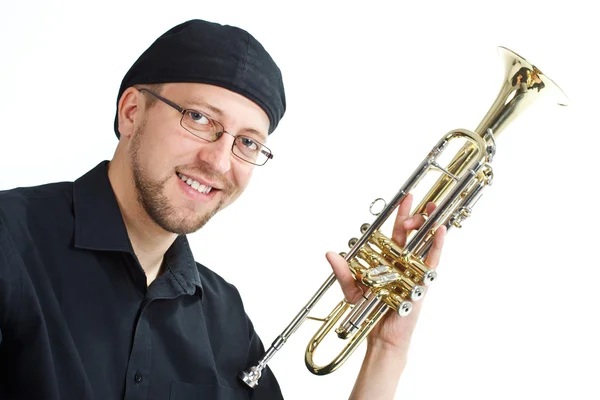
{"x": 78, "y": 321}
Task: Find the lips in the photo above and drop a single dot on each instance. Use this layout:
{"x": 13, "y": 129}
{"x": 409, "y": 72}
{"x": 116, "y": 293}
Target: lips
{"x": 201, "y": 188}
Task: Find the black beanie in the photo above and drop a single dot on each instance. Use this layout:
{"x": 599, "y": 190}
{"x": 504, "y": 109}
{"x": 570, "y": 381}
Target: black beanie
{"x": 221, "y": 55}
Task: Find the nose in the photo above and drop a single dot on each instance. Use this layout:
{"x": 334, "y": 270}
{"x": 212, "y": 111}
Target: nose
{"x": 218, "y": 153}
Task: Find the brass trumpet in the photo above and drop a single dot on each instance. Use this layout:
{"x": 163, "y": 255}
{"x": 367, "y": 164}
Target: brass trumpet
{"x": 395, "y": 276}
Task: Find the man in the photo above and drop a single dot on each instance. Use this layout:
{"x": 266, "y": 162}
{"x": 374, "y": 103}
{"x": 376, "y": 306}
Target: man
{"x": 100, "y": 296}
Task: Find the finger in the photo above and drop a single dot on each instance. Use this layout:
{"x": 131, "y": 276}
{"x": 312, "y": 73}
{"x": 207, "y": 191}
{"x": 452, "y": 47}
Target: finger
{"x": 430, "y": 208}
{"x": 433, "y": 257}
{"x": 416, "y": 221}
{"x": 344, "y": 276}
{"x": 399, "y": 232}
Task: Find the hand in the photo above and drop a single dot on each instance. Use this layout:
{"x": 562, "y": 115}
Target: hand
{"x": 392, "y": 332}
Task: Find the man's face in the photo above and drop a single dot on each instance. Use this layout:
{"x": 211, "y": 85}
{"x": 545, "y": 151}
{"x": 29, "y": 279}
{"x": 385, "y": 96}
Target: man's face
{"x": 162, "y": 152}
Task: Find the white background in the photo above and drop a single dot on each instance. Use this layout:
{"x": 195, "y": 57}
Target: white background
{"x": 371, "y": 86}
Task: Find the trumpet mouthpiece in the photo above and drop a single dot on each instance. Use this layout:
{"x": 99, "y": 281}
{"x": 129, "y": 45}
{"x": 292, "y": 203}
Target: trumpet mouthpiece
{"x": 250, "y": 377}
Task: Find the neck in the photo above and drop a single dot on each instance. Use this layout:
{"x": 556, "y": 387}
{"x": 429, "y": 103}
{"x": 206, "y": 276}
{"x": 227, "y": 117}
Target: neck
{"x": 150, "y": 242}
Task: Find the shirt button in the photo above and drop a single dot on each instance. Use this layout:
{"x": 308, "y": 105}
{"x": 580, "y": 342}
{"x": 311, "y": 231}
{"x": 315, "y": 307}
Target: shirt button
{"x": 137, "y": 377}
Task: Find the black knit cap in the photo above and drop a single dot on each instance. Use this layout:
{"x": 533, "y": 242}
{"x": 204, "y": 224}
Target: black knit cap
{"x": 221, "y": 55}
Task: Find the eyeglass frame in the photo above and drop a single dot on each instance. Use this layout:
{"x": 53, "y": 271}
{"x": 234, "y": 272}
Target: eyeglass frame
{"x": 218, "y": 134}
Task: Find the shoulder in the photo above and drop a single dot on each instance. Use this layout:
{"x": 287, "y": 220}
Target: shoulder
{"x": 48, "y": 190}
{"x": 27, "y": 211}
{"x": 21, "y": 205}
{"x": 22, "y": 199}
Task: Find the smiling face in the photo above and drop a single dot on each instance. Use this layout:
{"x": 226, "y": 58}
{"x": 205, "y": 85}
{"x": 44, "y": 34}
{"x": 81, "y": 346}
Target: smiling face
{"x": 162, "y": 154}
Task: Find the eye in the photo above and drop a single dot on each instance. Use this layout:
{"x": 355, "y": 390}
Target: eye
{"x": 198, "y": 118}
{"x": 248, "y": 143}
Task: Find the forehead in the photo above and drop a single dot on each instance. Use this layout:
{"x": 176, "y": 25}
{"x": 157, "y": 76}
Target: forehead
{"x": 237, "y": 113}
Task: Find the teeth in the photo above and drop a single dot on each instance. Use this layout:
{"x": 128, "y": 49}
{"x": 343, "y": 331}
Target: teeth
{"x": 195, "y": 184}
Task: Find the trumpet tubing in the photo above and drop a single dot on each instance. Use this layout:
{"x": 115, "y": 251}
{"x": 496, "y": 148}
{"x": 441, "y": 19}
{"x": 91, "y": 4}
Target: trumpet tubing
{"x": 397, "y": 276}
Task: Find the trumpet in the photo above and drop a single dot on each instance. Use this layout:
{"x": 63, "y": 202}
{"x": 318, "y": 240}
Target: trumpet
{"x": 396, "y": 277}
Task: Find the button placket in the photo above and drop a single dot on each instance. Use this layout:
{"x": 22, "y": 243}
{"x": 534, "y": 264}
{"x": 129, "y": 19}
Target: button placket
{"x": 140, "y": 359}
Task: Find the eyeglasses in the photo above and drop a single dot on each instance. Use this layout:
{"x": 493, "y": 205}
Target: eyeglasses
{"x": 206, "y": 128}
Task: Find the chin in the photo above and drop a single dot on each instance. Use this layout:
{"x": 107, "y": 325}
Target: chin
{"x": 187, "y": 222}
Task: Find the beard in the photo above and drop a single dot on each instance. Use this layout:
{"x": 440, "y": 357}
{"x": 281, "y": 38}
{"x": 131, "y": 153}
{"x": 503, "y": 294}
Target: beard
{"x": 151, "y": 194}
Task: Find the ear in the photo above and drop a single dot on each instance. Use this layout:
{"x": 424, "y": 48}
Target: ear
{"x": 130, "y": 105}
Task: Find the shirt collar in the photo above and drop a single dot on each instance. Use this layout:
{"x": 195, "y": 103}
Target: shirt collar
{"x": 179, "y": 260}
{"x": 99, "y": 226}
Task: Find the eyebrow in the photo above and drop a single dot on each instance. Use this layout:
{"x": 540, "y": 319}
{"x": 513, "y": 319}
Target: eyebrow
{"x": 262, "y": 137}
{"x": 215, "y": 111}
{"x": 197, "y": 101}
